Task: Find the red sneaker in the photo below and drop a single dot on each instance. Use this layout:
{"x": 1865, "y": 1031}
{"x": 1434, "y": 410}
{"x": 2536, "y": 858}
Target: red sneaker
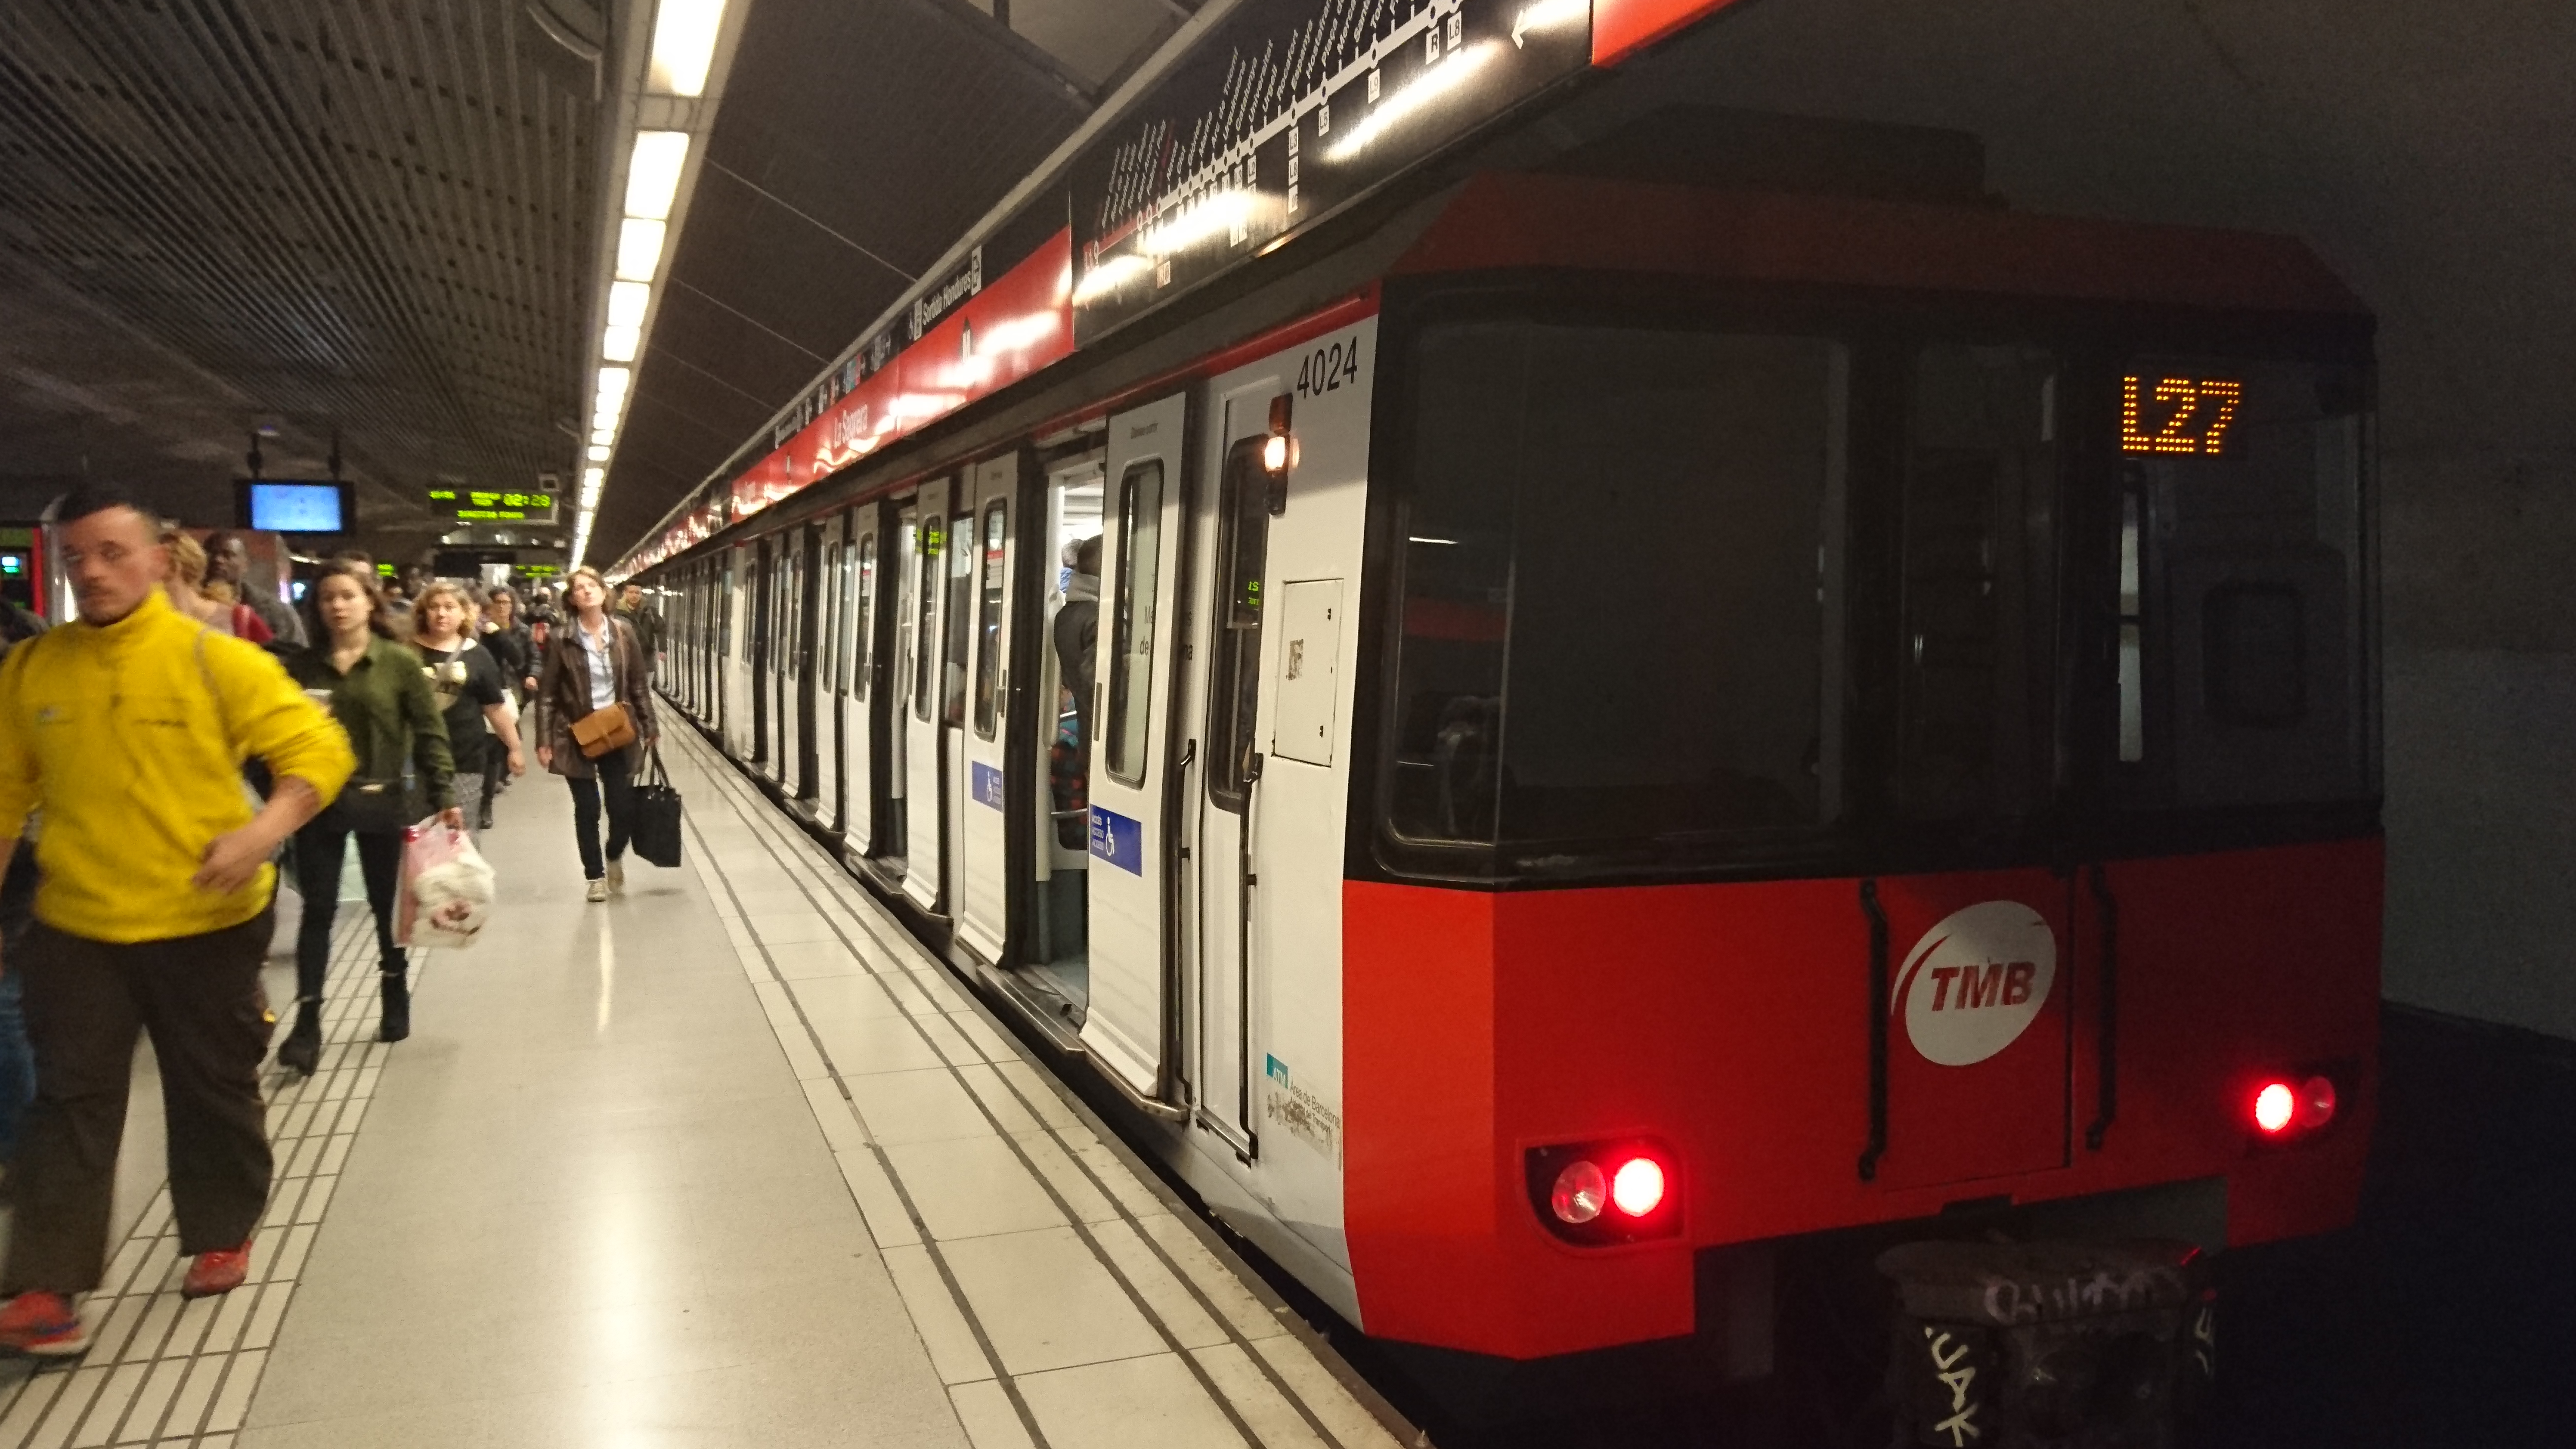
{"x": 43, "y": 1324}
{"x": 220, "y": 1271}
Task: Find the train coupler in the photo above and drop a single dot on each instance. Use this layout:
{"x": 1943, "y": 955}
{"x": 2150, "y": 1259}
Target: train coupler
{"x": 2049, "y": 1345}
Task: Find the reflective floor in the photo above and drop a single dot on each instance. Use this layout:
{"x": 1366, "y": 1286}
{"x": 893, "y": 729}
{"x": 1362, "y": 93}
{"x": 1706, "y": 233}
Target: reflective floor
{"x": 725, "y": 1161}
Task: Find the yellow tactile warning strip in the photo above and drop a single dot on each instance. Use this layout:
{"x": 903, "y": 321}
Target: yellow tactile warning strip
{"x": 1064, "y": 1297}
{"x": 162, "y": 1370}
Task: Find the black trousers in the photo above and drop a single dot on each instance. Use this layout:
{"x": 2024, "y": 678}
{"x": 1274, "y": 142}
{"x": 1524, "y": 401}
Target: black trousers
{"x": 199, "y": 997}
{"x": 319, "y": 849}
{"x": 617, "y": 782}
{"x": 496, "y": 765}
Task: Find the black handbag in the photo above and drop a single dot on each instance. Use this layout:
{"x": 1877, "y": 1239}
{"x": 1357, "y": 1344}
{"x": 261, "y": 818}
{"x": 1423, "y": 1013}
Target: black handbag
{"x": 655, "y": 829}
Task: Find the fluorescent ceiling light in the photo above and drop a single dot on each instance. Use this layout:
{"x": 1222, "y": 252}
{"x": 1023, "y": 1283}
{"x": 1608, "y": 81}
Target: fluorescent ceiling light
{"x": 653, "y": 176}
{"x": 618, "y": 344}
{"x": 684, "y": 45}
{"x": 639, "y": 248}
{"x": 626, "y": 303}
{"x": 590, "y": 477}
{"x": 599, "y": 452}
{"x": 602, "y": 437}
{"x": 614, "y": 380}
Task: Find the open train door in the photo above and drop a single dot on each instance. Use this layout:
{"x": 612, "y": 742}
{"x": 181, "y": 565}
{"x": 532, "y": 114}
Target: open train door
{"x": 1132, "y": 750}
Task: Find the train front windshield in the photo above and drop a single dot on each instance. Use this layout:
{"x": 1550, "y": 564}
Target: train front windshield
{"x": 1677, "y": 599}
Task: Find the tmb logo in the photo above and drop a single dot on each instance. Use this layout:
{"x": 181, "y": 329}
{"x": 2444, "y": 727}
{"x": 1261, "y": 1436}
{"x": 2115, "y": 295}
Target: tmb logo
{"x": 1972, "y": 985}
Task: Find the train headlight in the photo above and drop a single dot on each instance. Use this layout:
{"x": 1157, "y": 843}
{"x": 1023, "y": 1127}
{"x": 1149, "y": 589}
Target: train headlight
{"x": 1580, "y": 1192}
{"x": 1599, "y": 1194}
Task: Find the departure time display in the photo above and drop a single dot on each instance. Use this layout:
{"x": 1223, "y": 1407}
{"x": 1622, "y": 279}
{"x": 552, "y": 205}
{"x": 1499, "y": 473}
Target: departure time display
{"x": 492, "y": 505}
{"x": 2177, "y": 414}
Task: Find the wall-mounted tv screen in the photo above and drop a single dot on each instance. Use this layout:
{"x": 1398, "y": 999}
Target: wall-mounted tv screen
{"x": 285, "y": 506}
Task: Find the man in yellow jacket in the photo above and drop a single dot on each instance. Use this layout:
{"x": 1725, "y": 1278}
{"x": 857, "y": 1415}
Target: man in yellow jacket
{"x": 127, "y": 731}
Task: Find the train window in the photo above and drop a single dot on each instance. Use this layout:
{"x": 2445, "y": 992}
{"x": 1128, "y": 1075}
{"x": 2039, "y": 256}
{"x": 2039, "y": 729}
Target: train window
{"x": 2244, "y": 480}
{"x": 925, "y": 636}
{"x": 1613, "y": 627}
{"x": 988, "y": 618}
{"x": 1976, "y": 648}
{"x": 962, "y": 554}
{"x": 1234, "y": 670}
{"x": 1131, "y": 630}
{"x": 828, "y": 673}
{"x": 859, "y": 567}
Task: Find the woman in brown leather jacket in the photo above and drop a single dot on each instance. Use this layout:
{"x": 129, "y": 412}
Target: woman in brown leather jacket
{"x": 592, "y": 662}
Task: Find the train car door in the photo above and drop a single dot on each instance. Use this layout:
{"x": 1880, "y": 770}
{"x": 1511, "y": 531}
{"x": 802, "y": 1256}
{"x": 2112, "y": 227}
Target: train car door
{"x": 894, "y": 839}
{"x": 983, "y": 818}
{"x": 858, "y": 670}
{"x": 791, "y": 657}
{"x": 1127, "y": 1022}
{"x": 823, "y": 699}
{"x": 763, "y": 645}
{"x": 925, "y": 837}
{"x": 735, "y": 708}
{"x": 1230, "y": 527}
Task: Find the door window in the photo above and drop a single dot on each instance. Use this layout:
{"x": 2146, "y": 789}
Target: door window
{"x": 988, "y": 618}
{"x": 1234, "y": 677}
{"x": 829, "y": 678}
{"x": 862, "y": 607}
{"x": 961, "y": 618}
{"x": 1977, "y": 647}
{"x": 925, "y": 633}
{"x": 1131, "y": 630}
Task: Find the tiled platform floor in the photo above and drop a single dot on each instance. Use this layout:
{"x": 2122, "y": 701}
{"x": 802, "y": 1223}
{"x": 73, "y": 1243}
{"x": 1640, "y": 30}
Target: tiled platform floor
{"x": 728, "y": 1160}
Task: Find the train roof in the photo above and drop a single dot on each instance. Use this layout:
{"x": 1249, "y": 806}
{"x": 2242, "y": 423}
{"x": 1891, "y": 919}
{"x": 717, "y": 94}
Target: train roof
{"x": 1529, "y": 220}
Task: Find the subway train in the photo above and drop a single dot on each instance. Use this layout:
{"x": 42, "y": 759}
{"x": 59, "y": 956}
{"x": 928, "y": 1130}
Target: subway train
{"x": 1621, "y": 731}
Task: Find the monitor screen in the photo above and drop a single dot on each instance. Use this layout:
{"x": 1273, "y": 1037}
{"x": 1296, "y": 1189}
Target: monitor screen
{"x": 295, "y": 507}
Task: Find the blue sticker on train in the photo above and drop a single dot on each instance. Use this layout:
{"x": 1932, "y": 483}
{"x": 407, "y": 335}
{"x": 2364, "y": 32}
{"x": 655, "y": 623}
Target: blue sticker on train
{"x": 988, "y": 785}
{"x": 1118, "y": 840}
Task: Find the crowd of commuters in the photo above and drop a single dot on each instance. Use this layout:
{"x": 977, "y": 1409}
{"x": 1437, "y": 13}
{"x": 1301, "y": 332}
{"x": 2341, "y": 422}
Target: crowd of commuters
{"x": 161, "y": 754}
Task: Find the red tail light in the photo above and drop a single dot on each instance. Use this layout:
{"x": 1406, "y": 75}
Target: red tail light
{"x": 1637, "y": 1188}
{"x": 1602, "y": 1193}
{"x": 2286, "y": 1107}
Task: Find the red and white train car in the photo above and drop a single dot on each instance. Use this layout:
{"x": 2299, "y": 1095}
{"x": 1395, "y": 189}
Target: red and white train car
{"x": 1630, "y": 726}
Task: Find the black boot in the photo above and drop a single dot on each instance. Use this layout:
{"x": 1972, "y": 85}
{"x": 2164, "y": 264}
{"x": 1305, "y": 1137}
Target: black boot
{"x": 397, "y": 993}
{"x": 484, "y": 820}
{"x": 302, "y": 1048}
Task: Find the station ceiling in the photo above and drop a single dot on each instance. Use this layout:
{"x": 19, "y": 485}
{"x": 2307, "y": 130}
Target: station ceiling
{"x": 856, "y": 143}
{"x": 376, "y": 222}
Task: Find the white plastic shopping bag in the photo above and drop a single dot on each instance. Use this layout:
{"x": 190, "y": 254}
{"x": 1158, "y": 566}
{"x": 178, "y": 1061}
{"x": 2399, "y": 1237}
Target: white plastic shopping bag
{"x": 446, "y": 888}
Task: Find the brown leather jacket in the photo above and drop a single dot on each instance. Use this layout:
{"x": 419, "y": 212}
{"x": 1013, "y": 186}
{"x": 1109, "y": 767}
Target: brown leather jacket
{"x": 563, "y": 693}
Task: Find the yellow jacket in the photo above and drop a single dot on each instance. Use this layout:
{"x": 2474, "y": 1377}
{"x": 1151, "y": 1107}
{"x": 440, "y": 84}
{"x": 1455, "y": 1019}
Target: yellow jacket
{"x": 130, "y": 738}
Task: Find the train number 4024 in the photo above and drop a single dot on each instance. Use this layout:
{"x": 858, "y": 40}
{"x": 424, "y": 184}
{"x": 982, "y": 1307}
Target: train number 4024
{"x": 1329, "y": 368}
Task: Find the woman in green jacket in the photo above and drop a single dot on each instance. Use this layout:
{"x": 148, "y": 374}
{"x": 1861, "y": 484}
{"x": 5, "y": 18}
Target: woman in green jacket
{"x": 375, "y": 688}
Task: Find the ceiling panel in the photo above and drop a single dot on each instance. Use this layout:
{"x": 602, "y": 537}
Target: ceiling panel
{"x": 373, "y": 219}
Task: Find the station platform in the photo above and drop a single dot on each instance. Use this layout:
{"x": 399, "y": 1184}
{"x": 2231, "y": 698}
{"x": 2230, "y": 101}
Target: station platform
{"x": 726, "y": 1160}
